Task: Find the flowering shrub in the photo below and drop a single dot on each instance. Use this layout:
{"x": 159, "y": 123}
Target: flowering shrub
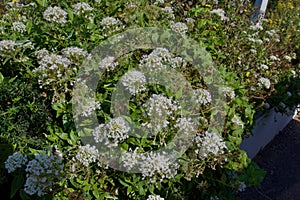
{"x": 43, "y": 46}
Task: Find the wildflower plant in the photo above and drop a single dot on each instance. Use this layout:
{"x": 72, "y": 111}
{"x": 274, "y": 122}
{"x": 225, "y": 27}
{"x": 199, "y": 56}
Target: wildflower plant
{"x": 133, "y": 119}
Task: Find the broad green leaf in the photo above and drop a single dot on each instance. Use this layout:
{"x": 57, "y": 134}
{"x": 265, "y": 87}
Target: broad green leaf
{"x": 17, "y": 184}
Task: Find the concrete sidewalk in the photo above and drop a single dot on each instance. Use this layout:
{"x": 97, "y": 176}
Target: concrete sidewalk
{"x": 281, "y": 159}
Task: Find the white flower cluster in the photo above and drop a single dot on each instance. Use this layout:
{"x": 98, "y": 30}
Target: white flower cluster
{"x": 41, "y": 53}
{"x": 108, "y": 63}
{"x": 7, "y": 46}
{"x": 159, "y": 108}
{"x": 264, "y": 82}
{"x": 256, "y": 27}
{"x": 228, "y": 92}
{"x": 153, "y": 165}
{"x": 81, "y": 8}
{"x": 19, "y": 27}
{"x": 275, "y": 36}
{"x": 42, "y": 172}
{"x": 209, "y": 143}
{"x": 263, "y": 67}
{"x": 237, "y": 120}
{"x": 55, "y": 63}
{"x": 180, "y": 28}
{"x": 134, "y": 81}
{"x": 86, "y": 155}
{"x": 274, "y": 58}
{"x": 156, "y": 2}
{"x": 160, "y": 58}
{"x": 55, "y": 14}
{"x": 130, "y": 159}
{"x": 201, "y": 96}
{"x": 288, "y": 58}
{"x": 168, "y": 13}
{"x": 76, "y": 55}
{"x": 14, "y": 161}
{"x": 154, "y": 197}
{"x": 56, "y": 70}
{"x": 186, "y": 126}
{"x": 190, "y": 20}
{"x": 89, "y": 107}
{"x": 113, "y": 132}
{"x": 111, "y": 25}
{"x": 157, "y": 166}
{"x": 221, "y": 13}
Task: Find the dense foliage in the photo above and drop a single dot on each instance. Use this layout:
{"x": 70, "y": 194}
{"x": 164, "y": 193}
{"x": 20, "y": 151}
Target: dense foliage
{"x": 44, "y": 45}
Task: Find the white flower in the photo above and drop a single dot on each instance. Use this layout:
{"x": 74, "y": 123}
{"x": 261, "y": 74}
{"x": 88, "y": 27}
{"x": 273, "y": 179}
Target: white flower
{"x": 154, "y": 197}
{"x": 160, "y": 59}
{"x": 237, "y": 120}
{"x": 180, "y": 28}
{"x": 186, "y": 126}
{"x": 87, "y": 154}
{"x": 19, "y": 27}
{"x": 221, "y": 13}
{"x": 259, "y": 41}
{"x": 159, "y": 2}
{"x": 159, "y": 108}
{"x": 201, "y": 96}
{"x": 112, "y": 133}
{"x": 111, "y": 25}
{"x": 130, "y": 159}
{"x": 228, "y": 92}
{"x": 41, "y": 53}
{"x": 256, "y": 27}
{"x": 264, "y": 82}
{"x": 76, "y": 55}
{"x": 81, "y": 8}
{"x": 42, "y": 172}
{"x": 168, "y": 11}
{"x": 264, "y": 67}
{"x": 53, "y": 61}
{"x": 55, "y": 14}
{"x": 15, "y": 161}
{"x": 209, "y": 144}
{"x": 288, "y": 58}
{"x": 157, "y": 166}
{"x": 108, "y": 63}
{"x": 89, "y": 107}
{"x": 134, "y": 81}
{"x": 190, "y": 20}
{"x": 7, "y": 46}
{"x": 274, "y": 58}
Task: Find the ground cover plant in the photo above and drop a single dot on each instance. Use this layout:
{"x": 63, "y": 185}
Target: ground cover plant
{"x": 44, "y": 46}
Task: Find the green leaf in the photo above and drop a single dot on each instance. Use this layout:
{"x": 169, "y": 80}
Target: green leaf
{"x": 96, "y": 191}
{"x": 16, "y": 184}
{"x": 42, "y": 3}
{"x": 28, "y": 26}
{"x": 23, "y": 195}
{"x": 70, "y": 14}
{"x": 1, "y": 77}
